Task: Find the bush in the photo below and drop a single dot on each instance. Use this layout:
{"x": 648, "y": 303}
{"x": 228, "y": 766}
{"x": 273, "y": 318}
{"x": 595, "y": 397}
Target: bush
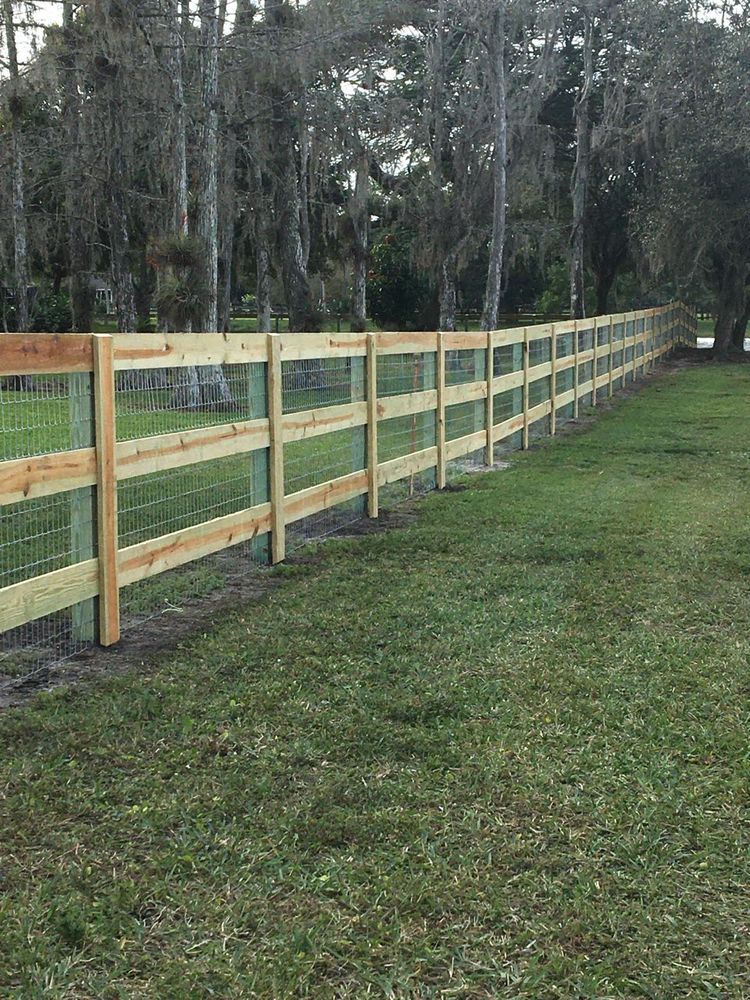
{"x": 49, "y": 313}
{"x": 400, "y": 296}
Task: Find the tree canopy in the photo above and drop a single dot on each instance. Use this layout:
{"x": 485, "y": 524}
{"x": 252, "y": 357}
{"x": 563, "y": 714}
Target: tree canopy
{"x": 405, "y": 160}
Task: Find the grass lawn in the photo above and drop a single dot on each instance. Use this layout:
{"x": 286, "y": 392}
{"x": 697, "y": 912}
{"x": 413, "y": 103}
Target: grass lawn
{"x": 499, "y": 752}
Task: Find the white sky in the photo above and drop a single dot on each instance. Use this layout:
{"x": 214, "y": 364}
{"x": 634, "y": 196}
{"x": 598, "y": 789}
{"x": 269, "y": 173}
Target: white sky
{"x": 32, "y": 17}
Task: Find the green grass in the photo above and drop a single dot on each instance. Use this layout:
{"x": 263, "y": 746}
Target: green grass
{"x": 499, "y": 753}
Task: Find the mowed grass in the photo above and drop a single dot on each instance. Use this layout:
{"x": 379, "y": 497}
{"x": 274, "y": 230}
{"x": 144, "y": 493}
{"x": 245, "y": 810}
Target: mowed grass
{"x": 500, "y": 752}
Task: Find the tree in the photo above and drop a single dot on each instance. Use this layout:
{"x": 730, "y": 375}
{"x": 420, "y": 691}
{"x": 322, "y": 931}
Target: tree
{"x": 15, "y": 103}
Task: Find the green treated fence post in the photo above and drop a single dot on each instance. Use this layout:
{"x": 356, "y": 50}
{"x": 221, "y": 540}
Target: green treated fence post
{"x": 480, "y": 405}
{"x": 83, "y": 501}
{"x": 359, "y": 434}
{"x": 260, "y": 467}
{"x": 430, "y": 431}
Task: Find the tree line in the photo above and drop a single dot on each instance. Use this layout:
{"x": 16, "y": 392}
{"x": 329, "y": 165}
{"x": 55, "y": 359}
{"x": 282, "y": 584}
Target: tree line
{"x": 395, "y": 159}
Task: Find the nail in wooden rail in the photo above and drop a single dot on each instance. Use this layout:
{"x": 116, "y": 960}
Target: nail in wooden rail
{"x": 276, "y": 426}
{"x": 373, "y": 486}
{"x": 106, "y": 489}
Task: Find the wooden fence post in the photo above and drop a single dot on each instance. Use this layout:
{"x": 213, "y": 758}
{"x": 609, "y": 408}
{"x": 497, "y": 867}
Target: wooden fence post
{"x": 106, "y": 489}
{"x": 358, "y": 370}
{"x": 276, "y": 426}
{"x": 490, "y": 410}
{"x": 480, "y": 406}
{"x": 648, "y": 346}
{"x": 373, "y": 483}
{"x": 260, "y": 487}
{"x": 553, "y": 382}
{"x": 429, "y": 376}
{"x": 636, "y": 341}
{"x": 595, "y": 363}
{"x": 611, "y": 356}
{"x": 83, "y": 502}
{"x": 442, "y": 470}
{"x": 576, "y": 370}
{"x": 525, "y": 388}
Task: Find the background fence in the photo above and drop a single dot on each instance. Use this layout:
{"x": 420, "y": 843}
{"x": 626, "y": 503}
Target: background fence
{"x": 136, "y": 471}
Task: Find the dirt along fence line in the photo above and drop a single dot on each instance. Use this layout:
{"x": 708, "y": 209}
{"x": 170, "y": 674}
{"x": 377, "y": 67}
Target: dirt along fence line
{"x": 135, "y": 469}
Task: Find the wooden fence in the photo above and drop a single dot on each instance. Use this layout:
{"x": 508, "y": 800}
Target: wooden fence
{"x": 601, "y": 354}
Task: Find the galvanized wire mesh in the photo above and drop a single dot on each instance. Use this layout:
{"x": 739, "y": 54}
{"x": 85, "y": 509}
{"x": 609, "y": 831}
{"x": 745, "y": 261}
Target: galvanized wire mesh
{"x": 398, "y": 437}
{"x": 167, "y": 400}
{"x": 188, "y": 399}
{"x": 403, "y": 374}
{"x": 37, "y": 415}
{"x": 55, "y": 413}
{"x": 40, "y": 415}
{"x": 318, "y": 384}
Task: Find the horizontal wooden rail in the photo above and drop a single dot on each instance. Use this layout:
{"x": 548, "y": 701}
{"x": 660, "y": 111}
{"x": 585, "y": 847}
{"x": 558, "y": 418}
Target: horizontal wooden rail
{"x": 468, "y": 392}
{"x": 191, "y": 350}
{"x": 318, "y": 498}
{"x": 144, "y": 456}
{"x": 323, "y": 420}
{"x": 409, "y": 465}
{"x": 44, "y": 595}
{"x": 149, "y": 558}
{"x": 392, "y": 407}
{"x": 635, "y": 341}
{"x": 45, "y": 353}
{"x": 459, "y": 447}
{"x": 45, "y": 475}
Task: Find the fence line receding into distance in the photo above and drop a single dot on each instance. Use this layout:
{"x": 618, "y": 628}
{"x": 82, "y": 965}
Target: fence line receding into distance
{"x": 124, "y": 457}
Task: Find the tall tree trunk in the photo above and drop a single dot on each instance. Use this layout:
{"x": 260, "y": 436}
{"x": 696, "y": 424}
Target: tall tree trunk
{"x": 215, "y": 388}
{"x": 441, "y": 217}
{"x": 731, "y": 304}
{"x": 284, "y": 169}
{"x": 579, "y": 182}
{"x": 739, "y": 333}
{"x": 360, "y": 215}
{"x": 262, "y": 251}
{"x": 82, "y": 297}
{"x": 291, "y": 248}
{"x": 111, "y": 71}
{"x": 226, "y": 229}
{"x": 119, "y": 240}
{"x": 178, "y": 165}
{"x": 499, "y": 214}
{"x": 605, "y": 279}
{"x": 208, "y": 172}
{"x": 448, "y": 294}
{"x": 304, "y": 189}
{"x": 20, "y": 253}
{"x": 187, "y": 385}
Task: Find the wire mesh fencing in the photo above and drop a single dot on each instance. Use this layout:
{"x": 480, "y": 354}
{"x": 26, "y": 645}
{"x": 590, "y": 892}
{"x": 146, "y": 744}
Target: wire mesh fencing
{"x": 207, "y": 468}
